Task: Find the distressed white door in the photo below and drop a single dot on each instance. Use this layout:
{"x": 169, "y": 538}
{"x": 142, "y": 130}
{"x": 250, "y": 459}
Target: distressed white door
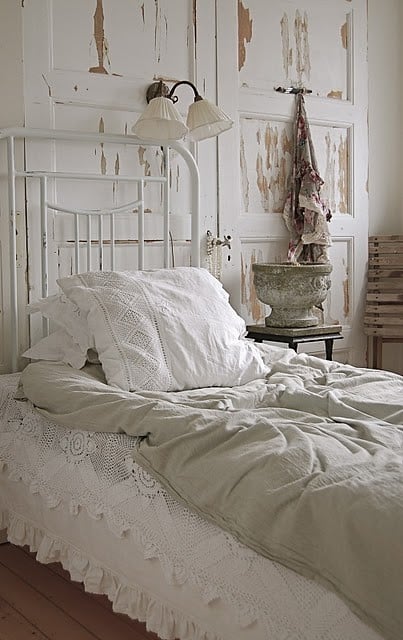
{"x": 321, "y": 46}
{"x": 87, "y": 67}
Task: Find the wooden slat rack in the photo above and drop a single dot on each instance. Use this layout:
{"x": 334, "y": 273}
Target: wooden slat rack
{"x": 383, "y": 320}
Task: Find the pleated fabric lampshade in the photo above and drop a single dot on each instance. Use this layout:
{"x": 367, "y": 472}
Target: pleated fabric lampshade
{"x": 206, "y": 120}
{"x": 160, "y": 121}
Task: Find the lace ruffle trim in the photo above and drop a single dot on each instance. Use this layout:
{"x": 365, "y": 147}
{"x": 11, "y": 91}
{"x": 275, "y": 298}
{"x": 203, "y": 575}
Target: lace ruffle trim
{"x": 174, "y": 573}
{"x": 132, "y": 600}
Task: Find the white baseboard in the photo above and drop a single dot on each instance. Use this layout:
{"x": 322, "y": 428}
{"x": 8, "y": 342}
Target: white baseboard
{"x": 3, "y": 536}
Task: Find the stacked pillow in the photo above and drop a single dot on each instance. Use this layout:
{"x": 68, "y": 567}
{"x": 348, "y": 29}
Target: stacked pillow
{"x": 71, "y": 342}
{"x": 160, "y": 330}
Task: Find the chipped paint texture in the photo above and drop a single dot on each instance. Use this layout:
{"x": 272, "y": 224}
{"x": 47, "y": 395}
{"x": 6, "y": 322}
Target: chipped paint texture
{"x": 261, "y": 182}
{"x": 249, "y": 299}
{"x": 302, "y": 62}
{"x": 245, "y": 28}
{"x": 194, "y": 23}
{"x": 336, "y": 94}
{"x": 344, "y": 35}
{"x": 160, "y": 30}
{"x": 143, "y": 160}
{"x": 334, "y": 142}
{"x": 101, "y": 129}
{"x": 300, "y": 55}
{"x": 266, "y": 163}
{"x": 346, "y": 297}
{"x": 296, "y": 43}
{"x": 244, "y": 176}
{"x": 343, "y": 175}
{"x": 329, "y": 176}
{"x": 177, "y": 181}
{"x": 101, "y": 42}
{"x": 337, "y": 307}
{"x": 286, "y": 49}
{"x": 346, "y": 290}
{"x": 266, "y": 153}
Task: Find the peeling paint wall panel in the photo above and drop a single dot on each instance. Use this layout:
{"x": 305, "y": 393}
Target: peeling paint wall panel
{"x": 332, "y": 154}
{"x": 140, "y": 39}
{"x": 297, "y": 32}
{"x": 266, "y": 163}
{"x": 338, "y": 304}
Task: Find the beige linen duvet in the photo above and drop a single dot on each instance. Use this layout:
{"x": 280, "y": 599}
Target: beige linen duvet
{"x": 304, "y": 466}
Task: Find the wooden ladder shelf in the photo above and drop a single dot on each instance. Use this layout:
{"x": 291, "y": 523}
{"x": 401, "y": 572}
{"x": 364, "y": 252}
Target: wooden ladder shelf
{"x": 383, "y": 320}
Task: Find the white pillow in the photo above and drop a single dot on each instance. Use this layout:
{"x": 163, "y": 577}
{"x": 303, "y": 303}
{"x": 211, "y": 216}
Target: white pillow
{"x": 167, "y": 329}
{"x": 59, "y": 346}
{"x": 64, "y": 313}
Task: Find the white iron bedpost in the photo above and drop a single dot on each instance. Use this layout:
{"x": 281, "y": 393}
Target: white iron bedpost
{"x": 140, "y": 224}
{"x": 13, "y": 254}
{"x": 195, "y": 203}
{"x": 166, "y": 157}
{"x": 43, "y": 186}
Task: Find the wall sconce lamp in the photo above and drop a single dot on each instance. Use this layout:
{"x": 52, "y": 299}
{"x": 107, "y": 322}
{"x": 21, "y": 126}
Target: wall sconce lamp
{"x": 162, "y": 121}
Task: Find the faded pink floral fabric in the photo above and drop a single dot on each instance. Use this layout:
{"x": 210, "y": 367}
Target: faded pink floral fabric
{"x": 305, "y": 213}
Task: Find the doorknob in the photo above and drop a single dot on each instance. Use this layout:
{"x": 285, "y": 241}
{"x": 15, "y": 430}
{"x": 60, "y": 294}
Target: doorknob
{"x": 213, "y": 241}
{"x": 214, "y": 253}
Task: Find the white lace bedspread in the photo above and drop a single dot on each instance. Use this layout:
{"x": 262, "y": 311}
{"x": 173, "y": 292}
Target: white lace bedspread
{"x": 96, "y": 472}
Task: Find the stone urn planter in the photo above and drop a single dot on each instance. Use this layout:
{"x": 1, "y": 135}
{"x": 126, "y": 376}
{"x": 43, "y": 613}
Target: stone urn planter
{"x": 292, "y": 290}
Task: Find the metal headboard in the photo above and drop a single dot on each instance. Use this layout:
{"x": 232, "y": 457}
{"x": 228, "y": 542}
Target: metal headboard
{"x": 13, "y": 134}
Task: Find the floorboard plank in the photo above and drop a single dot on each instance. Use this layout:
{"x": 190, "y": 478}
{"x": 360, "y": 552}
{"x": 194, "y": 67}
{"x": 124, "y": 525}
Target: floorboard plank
{"x": 43, "y": 614}
{"x": 102, "y": 600}
{"x": 13, "y": 626}
{"x": 50, "y": 585}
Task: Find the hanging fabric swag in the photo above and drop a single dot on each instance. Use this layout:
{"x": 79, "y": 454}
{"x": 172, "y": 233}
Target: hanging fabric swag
{"x": 305, "y": 213}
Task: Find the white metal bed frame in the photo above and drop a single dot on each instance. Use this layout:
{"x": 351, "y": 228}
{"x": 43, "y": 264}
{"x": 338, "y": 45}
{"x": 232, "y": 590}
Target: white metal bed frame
{"x": 12, "y": 134}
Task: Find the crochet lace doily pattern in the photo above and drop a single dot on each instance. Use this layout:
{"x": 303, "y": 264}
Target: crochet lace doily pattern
{"x": 96, "y": 472}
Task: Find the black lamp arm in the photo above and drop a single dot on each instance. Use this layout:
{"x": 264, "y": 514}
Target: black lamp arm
{"x": 197, "y": 96}
{"x": 159, "y": 88}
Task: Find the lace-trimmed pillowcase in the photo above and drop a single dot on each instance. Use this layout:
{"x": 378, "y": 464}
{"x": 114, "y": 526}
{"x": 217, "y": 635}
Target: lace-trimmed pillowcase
{"x": 71, "y": 341}
{"x": 164, "y": 330}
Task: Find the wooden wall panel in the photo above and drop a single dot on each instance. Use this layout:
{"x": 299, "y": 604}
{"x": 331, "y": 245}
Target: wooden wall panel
{"x": 266, "y": 147}
{"x": 312, "y": 40}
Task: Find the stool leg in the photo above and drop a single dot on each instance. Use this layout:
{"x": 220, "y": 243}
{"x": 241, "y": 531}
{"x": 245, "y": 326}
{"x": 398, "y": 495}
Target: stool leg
{"x": 377, "y": 352}
{"x": 329, "y": 348}
{"x": 370, "y": 347}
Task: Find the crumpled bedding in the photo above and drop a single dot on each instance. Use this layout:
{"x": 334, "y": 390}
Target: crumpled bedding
{"x": 313, "y": 464}
{"x": 59, "y": 487}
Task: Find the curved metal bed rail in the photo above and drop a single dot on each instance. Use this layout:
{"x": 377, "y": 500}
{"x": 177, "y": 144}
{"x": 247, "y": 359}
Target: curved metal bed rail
{"x": 15, "y": 133}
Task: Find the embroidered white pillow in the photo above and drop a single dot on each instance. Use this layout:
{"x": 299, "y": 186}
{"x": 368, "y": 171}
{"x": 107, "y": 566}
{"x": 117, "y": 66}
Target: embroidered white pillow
{"x": 167, "y": 329}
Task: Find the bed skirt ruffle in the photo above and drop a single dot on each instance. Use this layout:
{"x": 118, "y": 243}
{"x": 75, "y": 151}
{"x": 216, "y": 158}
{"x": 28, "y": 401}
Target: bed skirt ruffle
{"x": 166, "y": 622}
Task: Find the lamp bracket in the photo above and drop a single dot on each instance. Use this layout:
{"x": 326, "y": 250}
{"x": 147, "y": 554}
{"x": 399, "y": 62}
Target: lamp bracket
{"x": 159, "y": 88}
{"x": 156, "y": 90}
